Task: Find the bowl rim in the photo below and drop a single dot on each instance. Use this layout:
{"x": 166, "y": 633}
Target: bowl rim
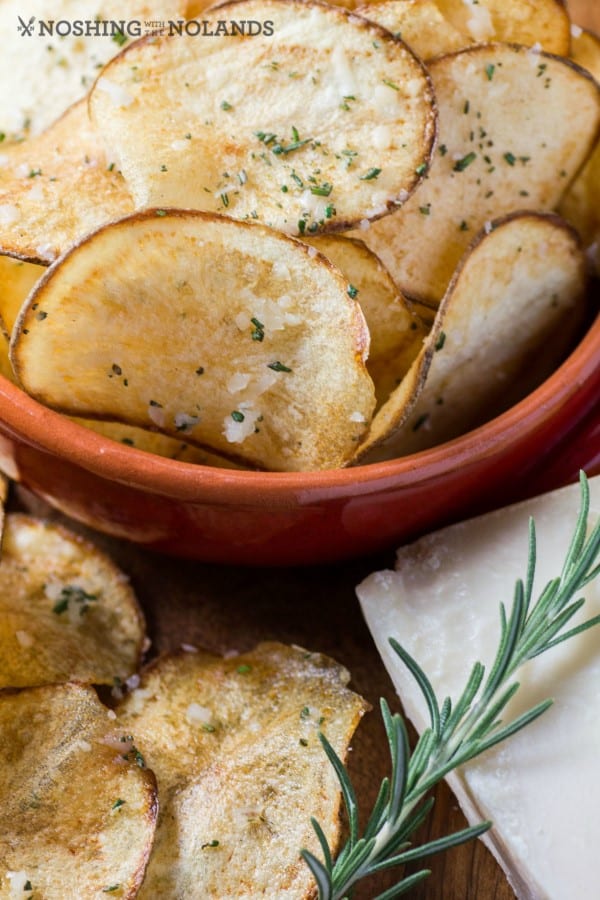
{"x": 39, "y": 426}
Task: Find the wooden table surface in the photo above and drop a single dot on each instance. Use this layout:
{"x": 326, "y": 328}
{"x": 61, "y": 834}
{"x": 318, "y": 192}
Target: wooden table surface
{"x": 233, "y": 608}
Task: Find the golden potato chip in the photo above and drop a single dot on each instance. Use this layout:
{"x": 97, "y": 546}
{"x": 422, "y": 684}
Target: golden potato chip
{"x": 397, "y": 333}
{"x": 318, "y": 122}
{"x": 54, "y": 52}
{"x": 433, "y": 27}
{"x": 16, "y": 280}
{"x": 420, "y": 23}
{"x": 581, "y": 204}
{"x": 511, "y": 313}
{"x": 67, "y": 613}
{"x": 585, "y": 50}
{"x": 497, "y": 154}
{"x": 234, "y": 745}
{"x": 153, "y": 442}
{"x": 77, "y": 810}
{"x": 57, "y": 187}
{"x": 224, "y": 334}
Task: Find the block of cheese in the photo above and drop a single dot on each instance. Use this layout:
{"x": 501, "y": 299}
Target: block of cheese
{"x": 541, "y": 788}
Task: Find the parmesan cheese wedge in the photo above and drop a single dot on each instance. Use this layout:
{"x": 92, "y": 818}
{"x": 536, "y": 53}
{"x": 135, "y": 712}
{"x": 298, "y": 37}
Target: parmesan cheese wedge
{"x": 541, "y": 788}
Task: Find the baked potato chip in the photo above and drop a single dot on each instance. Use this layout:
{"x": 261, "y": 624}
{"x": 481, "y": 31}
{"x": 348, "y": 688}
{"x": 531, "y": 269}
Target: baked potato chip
{"x": 57, "y": 187}
{"x": 67, "y": 613}
{"x": 495, "y": 156}
{"x": 224, "y": 334}
{"x": 318, "y": 125}
{"x": 581, "y": 204}
{"x": 433, "y": 27}
{"x": 57, "y": 49}
{"x": 397, "y": 333}
{"x": 77, "y": 813}
{"x": 153, "y": 442}
{"x": 420, "y": 23}
{"x": 234, "y": 745}
{"x": 529, "y": 268}
{"x": 16, "y": 280}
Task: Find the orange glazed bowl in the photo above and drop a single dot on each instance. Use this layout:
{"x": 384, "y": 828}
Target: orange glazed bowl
{"x": 265, "y": 518}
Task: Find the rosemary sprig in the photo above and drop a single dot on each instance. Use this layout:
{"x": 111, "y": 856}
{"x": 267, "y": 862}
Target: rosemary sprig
{"x": 457, "y": 732}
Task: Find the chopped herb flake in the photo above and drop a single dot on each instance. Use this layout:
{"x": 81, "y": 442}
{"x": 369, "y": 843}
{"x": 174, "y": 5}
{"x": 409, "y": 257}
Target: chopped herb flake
{"x": 72, "y": 593}
{"x": 278, "y": 367}
{"x": 119, "y": 38}
{"x": 461, "y": 164}
{"x": 441, "y": 340}
{"x": 370, "y": 175}
{"x": 244, "y": 669}
{"x": 258, "y": 331}
{"x": 226, "y": 106}
{"x": 321, "y": 190}
{"x": 489, "y": 71}
{"x": 510, "y": 159}
{"x": 352, "y": 291}
{"x": 237, "y": 416}
{"x": 209, "y": 844}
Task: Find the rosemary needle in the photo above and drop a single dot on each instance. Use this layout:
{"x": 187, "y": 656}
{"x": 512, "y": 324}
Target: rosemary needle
{"x": 457, "y": 732}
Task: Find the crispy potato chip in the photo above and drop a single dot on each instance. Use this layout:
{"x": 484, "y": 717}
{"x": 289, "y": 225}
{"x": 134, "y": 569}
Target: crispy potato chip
{"x": 16, "y": 280}
{"x": 234, "y": 745}
{"x": 58, "y": 47}
{"x": 433, "y": 27}
{"x": 57, "y": 187}
{"x": 320, "y": 121}
{"x": 224, "y": 334}
{"x": 581, "y": 204}
{"x": 511, "y": 313}
{"x": 153, "y": 442}
{"x": 67, "y": 613}
{"x": 397, "y": 333}
{"x": 420, "y": 23}
{"x": 585, "y": 50}
{"x": 77, "y": 814}
{"x": 496, "y": 155}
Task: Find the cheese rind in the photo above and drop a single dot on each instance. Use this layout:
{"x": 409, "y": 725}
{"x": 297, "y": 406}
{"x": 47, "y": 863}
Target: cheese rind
{"x": 541, "y": 788}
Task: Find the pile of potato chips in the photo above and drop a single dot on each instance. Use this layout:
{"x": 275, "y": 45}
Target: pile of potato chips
{"x": 173, "y": 271}
{"x": 197, "y": 777}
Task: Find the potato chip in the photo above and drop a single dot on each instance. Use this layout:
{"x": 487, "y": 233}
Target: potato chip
{"x": 512, "y": 311}
{"x": 56, "y": 187}
{"x": 434, "y": 27}
{"x": 224, "y": 334}
{"x": 420, "y": 23}
{"x": 153, "y": 442}
{"x": 397, "y": 333}
{"x": 16, "y": 280}
{"x": 234, "y": 745}
{"x": 57, "y": 49}
{"x": 318, "y": 122}
{"x": 496, "y": 155}
{"x": 77, "y": 810}
{"x": 66, "y": 611}
{"x": 581, "y": 204}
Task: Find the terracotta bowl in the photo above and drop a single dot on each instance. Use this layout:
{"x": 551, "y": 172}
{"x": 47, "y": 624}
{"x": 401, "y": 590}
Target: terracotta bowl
{"x": 257, "y": 518}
